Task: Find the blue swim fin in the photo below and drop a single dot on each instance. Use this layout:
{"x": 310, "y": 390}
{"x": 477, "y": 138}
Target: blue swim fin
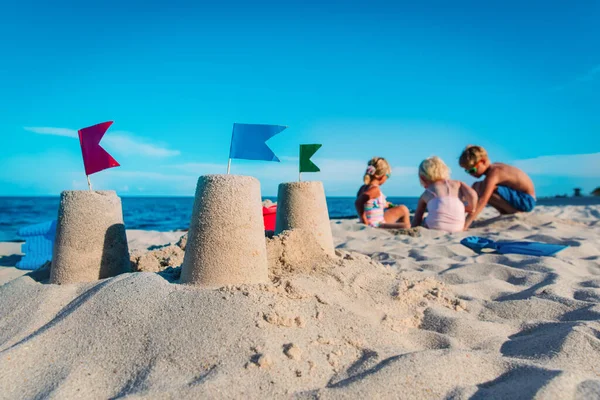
{"x": 480, "y": 245}
{"x": 529, "y": 248}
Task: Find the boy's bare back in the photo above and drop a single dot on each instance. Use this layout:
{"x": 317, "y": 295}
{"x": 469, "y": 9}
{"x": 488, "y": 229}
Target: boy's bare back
{"x": 512, "y": 177}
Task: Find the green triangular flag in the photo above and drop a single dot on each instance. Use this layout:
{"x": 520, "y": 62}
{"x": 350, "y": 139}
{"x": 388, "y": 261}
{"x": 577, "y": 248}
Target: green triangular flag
{"x": 306, "y": 152}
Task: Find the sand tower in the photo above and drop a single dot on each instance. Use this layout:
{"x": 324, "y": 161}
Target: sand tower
{"x": 90, "y": 242}
{"x": 302, "y": 205}
{"x": 226, "y": 241}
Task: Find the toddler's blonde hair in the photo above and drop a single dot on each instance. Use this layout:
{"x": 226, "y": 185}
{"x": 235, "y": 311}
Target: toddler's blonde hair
{"x": 376, "y": 168}
{"x": 471, "y": 155}
{"x": 434, "y": 169}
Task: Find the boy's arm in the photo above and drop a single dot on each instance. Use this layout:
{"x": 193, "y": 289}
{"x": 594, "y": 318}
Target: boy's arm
{"x": 468, "y": 195}
{"x": 418, "y": 218}
{"x": 487, "y": 190}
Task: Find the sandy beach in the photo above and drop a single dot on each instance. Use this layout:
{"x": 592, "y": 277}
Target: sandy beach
{"x": 392, "y": 315}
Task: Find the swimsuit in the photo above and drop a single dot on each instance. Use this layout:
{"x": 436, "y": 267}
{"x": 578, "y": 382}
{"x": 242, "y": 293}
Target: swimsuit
{"x": 446, "y": 213}
{"x": 375, "y": 210}
{"x": 519, "y": 200}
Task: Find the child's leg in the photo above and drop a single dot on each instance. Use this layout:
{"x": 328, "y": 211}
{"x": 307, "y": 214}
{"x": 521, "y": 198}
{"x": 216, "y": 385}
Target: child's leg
{"x": 399, "y": 225}
{"x": 477, "y": 186}
{"x": 399, "y": 216}
{"x": 496, "y": 201}
{"x": 501, "y": 205}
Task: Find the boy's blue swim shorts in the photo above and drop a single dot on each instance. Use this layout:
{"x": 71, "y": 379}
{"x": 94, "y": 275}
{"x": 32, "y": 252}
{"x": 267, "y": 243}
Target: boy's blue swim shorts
{"x": 519, "y": 200}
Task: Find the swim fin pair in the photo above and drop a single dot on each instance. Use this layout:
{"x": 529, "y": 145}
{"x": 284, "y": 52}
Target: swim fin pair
{"x": 482, "y": 245}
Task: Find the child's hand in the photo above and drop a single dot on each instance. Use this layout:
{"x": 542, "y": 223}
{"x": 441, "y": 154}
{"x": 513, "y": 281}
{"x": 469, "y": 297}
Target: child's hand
{"x": 468, "y": 221}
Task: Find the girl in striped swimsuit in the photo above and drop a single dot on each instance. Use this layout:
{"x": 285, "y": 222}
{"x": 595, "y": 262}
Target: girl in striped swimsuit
{"x": 371, "y": 203}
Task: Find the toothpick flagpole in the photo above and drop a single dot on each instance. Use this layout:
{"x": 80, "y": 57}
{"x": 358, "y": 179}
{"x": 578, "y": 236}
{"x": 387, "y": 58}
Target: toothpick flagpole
{"x": 300, "y": 164}
{"x": 89, "y": 182}
{"x": 230, "y": 148}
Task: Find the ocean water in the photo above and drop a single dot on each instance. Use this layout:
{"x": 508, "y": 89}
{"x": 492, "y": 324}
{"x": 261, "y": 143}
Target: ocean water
{"x": 174, "y": 213}
{"x": 149, "y": 213}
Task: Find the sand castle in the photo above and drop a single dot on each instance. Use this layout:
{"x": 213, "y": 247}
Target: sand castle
{"x": 90, "y": 242}
{"x": 302, "y": 205}
{"x": 226, "y": 241}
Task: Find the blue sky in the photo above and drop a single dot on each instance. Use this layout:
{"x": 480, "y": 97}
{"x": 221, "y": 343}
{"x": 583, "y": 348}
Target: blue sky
{"x": 395, "y": 79}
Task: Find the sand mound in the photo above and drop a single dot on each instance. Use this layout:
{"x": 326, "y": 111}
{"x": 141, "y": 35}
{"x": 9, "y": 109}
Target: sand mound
{"x": 147, "y": 257}
{"x": 156, "y": 260}
{"x": 295, "y": 251}
{"x": 311, "y": 325}
{"x": 291, "y": 251}
{"x": 182, "y": 243}
{"x": 268, "y": 203}
{"x": 388, "y": 316}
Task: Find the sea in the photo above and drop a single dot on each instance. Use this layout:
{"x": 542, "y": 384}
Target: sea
{"x": 174, "y": 213}
{"x": 148, "y": 213}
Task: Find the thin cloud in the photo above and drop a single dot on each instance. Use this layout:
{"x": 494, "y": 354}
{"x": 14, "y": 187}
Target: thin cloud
{"x": 590, "y": 76}
{"x": 338, "y": 175}
{"x": 147, "y": 182}
{"x": 355, "y": 169}
{"x": 118, "y": 141}
{"x": 154, "y": 176}
{"x": 405, "y": 171}
{"x": 289, "y": 158}
{"x": 330, "y": 168}
{"x": 568, "y": 165}
{"x": 52, "y": 131}
{"x": 126, "y": 144}
{"x": 200, "y": 168}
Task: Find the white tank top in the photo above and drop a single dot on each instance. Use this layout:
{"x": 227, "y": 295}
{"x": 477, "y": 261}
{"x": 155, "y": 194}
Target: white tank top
{"x": 446, "y": 213}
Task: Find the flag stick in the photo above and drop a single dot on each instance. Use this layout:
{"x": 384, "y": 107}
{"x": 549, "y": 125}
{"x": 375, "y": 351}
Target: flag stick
{"x": 230, "y": 147}
{"x": 299, "y": 176}
{"x": 89, "y": 182}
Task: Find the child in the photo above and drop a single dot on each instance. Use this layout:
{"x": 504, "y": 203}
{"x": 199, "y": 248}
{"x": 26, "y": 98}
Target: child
{"x": 445, "y": 200}
{"x": 371, "y": 204}
{"x": 508, "y": 189}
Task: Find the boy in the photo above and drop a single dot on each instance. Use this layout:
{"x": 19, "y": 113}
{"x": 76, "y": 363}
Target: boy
{"x": 508, "y": 189}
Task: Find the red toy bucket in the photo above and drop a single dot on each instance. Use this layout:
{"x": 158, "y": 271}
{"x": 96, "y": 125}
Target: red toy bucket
{"x": 269, "y": 217}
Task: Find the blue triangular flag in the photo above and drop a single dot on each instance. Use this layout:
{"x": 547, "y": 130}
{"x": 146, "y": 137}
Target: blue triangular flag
{"x": 248, "y": 141}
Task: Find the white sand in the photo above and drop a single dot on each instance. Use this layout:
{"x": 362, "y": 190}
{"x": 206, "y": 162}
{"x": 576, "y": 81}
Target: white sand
{"x": 392, "y": 317}
{"x": 10, "y": 254}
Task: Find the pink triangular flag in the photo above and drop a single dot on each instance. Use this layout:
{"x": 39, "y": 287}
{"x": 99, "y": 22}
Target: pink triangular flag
{"x": 95, "y": 158}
